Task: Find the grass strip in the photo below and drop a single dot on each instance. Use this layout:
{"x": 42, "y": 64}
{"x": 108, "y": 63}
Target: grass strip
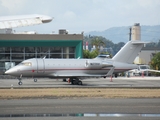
{"x": 79, "y": 92}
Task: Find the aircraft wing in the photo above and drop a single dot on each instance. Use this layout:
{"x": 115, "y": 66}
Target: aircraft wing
{"x": 23, "y": 20}
{"x": 75, "y": 75}
{"x": 150, "y": 70}
{"x": 66, "y": 74}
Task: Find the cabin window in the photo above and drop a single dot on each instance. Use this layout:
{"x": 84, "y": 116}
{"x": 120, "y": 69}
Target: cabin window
{"x": 27, "y": 64}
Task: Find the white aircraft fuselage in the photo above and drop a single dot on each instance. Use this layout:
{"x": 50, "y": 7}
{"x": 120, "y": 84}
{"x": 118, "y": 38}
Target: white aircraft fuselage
{"x": 62, "y": 68}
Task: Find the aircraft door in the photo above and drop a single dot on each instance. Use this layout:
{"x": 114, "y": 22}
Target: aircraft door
{"x": 40, "y": 66}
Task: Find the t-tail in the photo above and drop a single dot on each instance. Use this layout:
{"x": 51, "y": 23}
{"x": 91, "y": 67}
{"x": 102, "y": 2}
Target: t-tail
{"x": 129, "y": 51}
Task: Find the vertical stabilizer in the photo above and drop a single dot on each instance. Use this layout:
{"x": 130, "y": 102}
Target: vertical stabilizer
{"x": 129, "y": 52}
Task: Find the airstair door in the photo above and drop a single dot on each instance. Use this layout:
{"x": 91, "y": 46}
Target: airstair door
{"x": 40, "y": 66}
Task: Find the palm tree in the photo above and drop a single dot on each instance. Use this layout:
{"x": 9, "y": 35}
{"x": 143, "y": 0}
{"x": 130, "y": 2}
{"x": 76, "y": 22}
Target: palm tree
{"x": 97, "y": 42}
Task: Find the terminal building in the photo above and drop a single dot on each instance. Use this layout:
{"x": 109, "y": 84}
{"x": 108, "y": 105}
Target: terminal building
{"x": 14, "y": 48}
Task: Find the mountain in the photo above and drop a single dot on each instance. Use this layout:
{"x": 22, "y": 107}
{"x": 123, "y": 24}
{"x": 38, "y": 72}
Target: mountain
{"x": 121, "y": 34}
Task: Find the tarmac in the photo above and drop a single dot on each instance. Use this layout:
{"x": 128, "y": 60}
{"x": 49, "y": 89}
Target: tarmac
{"x": 120, "y": 82}
{"x": 81, "y": 108}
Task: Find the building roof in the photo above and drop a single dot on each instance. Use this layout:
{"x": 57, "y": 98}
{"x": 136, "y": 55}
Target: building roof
{"x": 41, "y": 36}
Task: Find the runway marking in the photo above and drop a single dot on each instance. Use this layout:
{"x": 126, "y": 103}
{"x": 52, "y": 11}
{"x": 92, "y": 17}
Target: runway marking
{"x": 79, "y": 115}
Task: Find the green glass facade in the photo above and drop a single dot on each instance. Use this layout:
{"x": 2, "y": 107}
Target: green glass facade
{"x": 15, "y": 49}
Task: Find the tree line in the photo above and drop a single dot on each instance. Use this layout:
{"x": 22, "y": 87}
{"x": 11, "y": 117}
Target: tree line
{"x": 99, "y": 41}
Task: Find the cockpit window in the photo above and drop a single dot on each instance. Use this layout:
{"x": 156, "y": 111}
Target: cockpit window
{"x": 144, "y": 67}
{"x": 26, "y": 63}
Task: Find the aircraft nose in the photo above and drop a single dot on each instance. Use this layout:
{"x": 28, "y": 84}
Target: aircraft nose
{"x": 10, "y": 72}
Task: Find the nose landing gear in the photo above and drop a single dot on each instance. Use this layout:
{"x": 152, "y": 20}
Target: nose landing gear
{"x": 20, "y": 83}
{"x": 20, "y": 80}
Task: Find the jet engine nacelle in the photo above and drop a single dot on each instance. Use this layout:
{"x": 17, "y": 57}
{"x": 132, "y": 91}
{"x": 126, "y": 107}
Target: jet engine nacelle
{"x": 96, "y": 64}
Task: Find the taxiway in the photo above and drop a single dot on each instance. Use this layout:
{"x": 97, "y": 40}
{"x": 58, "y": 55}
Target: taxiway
{"x": 136, "y": 82}
{"x": 81, "y": 108}
{"x": 84, "y": 108}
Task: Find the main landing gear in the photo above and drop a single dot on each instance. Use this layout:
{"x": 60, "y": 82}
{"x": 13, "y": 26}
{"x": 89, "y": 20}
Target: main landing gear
{"x": 75, "y": 81}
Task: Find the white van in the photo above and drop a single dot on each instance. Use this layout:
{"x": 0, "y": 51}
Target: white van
{"x": 142, "y": 70}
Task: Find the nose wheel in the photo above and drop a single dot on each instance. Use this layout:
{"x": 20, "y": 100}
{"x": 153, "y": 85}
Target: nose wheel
{"x": 35, "y": 80}
{"x": 19, "y": 83}
{"x": 20, "y": 80}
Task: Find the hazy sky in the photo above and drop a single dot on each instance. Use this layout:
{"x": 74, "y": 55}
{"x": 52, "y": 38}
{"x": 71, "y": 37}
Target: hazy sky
{"x": 85, "y": 15}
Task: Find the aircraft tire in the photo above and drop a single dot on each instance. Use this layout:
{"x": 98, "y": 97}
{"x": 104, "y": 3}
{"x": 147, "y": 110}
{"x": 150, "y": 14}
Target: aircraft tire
{"x": 35, "y": 80}
{"x": 79, "y": 82}
{"x": 116, "y": 75}
{"x": 20, "y": 83}
{"x": 74, "y": 82}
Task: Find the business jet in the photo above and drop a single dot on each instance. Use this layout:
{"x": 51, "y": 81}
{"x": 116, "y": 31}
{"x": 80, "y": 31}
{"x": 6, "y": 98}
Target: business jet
{"x": 23, "y": 20}
{"x": 77, "y": 69}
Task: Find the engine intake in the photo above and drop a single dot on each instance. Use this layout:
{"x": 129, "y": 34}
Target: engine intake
{"x": 97, "y": 64}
